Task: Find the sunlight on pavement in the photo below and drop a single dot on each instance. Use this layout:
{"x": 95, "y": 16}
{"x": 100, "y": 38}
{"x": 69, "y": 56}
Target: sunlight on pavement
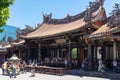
{"x": 39, "y": 76}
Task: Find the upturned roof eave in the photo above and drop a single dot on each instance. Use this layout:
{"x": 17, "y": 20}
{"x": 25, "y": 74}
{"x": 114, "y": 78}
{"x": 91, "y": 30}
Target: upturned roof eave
{"x": 54, "y": 35}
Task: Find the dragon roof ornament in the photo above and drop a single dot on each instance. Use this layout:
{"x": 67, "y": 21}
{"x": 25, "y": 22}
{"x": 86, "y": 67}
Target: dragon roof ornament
{"x": 92, "y": 7}
{"x": 115, "y": 17}
{"x": 47, "y": 17}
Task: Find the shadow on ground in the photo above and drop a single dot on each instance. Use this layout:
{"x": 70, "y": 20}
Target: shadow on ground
{"x": 81, "y": 73}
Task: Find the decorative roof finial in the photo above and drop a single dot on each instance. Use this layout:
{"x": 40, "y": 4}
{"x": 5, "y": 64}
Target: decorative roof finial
{"x": 47, "y": 17}
{"x": 102, "y": 2}
{"x": 115, "y": 17}
{"x": 117, "y": 6}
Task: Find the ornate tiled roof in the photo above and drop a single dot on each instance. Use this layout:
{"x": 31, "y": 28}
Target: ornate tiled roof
{"x": 18, "y": 43}
{"x": 111, "y": 26}
{"x": 94, "y": 6}
{"x": 56, "y": 27}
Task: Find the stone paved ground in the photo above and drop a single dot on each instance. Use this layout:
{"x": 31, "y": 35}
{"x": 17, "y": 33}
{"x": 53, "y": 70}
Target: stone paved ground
{"x": 109, "y": 75}
{"x": 50, "y": 77}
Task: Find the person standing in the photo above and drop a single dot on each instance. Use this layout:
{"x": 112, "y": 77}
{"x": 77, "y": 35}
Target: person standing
{"x": 13, "y": 70}
{"x": 33, "y": 69}
{"x": 101, "y": 67}
{"x": 4, "y": 68}
{"x": 24, "y": 66}
{"x": 100, "y": 64}
{"x": 84, "y": 64}
{"x": 10, "y": 70}
{"x": 66, "y": 63}
{"x": 114, "y": 65}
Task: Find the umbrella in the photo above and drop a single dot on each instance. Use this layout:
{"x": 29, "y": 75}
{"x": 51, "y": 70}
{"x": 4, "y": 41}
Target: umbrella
{"x": 14, "y": 58}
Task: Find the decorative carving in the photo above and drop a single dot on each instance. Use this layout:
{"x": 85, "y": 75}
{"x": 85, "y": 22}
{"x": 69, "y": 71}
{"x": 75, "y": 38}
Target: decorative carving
{"x": 10, "y": 39}
{"x": 87, "y": 16}
{"x": 25, "y": 31}
{"x": 93, "y": 6}
{"x": 115, "y": 17}
{"x": 102, "y": 2}
{"x": 47, "y": 17}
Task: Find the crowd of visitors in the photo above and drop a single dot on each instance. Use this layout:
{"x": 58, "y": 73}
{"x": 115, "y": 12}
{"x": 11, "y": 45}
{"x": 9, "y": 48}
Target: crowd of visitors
{"x": 101, "y": 66}
{"x": 13, "y": 68}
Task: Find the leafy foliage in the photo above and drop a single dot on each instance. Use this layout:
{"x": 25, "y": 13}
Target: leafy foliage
{"x": 4, "y": 11}
{"x": 74, "y": 53}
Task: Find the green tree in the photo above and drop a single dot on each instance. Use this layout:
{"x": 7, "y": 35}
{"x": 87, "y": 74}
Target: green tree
{"x": 74, "y": 53}
{"x": 4, "y": 11}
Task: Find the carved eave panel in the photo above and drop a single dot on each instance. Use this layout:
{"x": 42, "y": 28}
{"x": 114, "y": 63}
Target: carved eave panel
{"x": 61, "y": 41}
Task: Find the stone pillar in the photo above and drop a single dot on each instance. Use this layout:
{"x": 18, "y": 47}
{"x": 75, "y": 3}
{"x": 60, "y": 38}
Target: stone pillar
{"x": 69, "y": 55}
{"x": 58, "y": 53}
{"x": 48, "y": 52}
{"x": 78, "y": 55}
{"x": 28, "y": 53}
{"x": 19, "y": 53}
{"x": 61, "y": 52}
{"x": 39, "y": 52}
{"x": 89, "y": 57}
{"x": 103, "y": 52}
{"x": 96, "y": 52}
{"x": 114, "y": 50}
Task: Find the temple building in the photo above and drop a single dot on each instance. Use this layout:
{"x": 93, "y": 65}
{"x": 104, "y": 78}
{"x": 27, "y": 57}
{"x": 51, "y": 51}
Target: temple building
{"x": 106, "y": 40}
{"x": 52, "y": 42}
{"x": 8, "y": 34}
{"x": 17, "y": 46}
{"x": 11, "y": 44}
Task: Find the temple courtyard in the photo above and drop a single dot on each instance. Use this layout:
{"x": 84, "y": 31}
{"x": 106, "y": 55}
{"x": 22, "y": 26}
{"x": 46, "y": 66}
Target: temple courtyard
{"x": 74, "y": 75}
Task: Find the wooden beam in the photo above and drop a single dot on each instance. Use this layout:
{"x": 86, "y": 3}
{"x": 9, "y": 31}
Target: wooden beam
{"x": 50, "y": 38}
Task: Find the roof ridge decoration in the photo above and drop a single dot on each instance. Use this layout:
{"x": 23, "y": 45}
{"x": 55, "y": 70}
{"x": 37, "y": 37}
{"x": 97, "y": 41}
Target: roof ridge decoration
{"x": 115, "y": 17}
{"x": 92, "y": 7}
{"x": 25, "y": 31}
{"x": 47, "y": 18}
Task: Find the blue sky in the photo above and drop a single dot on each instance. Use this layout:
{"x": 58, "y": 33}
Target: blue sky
{"x": 30, "y": 11}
